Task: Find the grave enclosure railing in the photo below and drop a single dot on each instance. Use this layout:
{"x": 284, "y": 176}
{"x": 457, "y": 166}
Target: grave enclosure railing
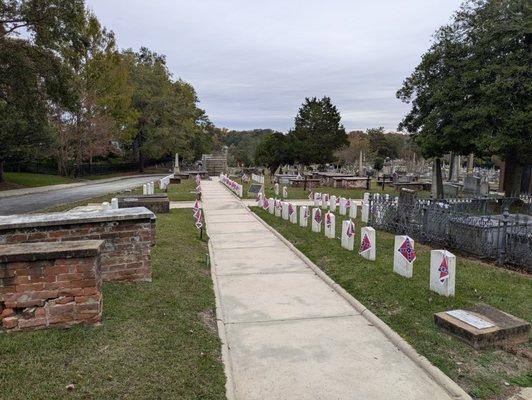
{"x": 492, "y": 228}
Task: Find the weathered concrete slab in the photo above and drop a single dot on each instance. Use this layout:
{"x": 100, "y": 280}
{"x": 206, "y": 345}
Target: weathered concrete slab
{"x": 251, "y": 298}
{"x": 260, "y": 260}
{"x": 324, "y": 358}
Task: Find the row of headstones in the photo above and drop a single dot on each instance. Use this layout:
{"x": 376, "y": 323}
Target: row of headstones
{"x": 231, "y": 184}
{"x": 276, "y": 188}
{"x": 148, "y": 188}
{"x": 442, "y": 262}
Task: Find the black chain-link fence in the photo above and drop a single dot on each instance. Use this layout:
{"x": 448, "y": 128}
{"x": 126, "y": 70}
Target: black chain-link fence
{"x": 492, "y": 228}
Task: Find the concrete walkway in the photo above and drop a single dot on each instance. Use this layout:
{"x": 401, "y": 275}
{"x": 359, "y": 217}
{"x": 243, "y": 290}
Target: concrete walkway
{"x": 287, "y": 334}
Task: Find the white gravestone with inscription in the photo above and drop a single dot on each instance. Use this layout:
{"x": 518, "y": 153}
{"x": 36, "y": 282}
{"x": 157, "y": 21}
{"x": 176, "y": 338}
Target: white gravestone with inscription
{"x": 404, "y": 256}
{"x": 304, "y": 215}
{"x": 145, "y": 189}
{"x": 330, "y": 225}
{"x": 332, "y": 203}
{"x": 352, "y": 209}
{"x": 271, "y": 205}
{"x": 342, "y": 209}
{"x": 278, "y": 208}
{"x": 442, "y": 272}
{"x": 317, "y": 199}
{"x": 348, "y": 234}
{"x": 276, "y": 189}
{"x": 324, "y": 200}
{"x": 284, "y": 210}
{"x": 285, "y": 192}
{"x": 292, "y": 213}
{"x": 367, "y": 243}
{"x": 316, "y": 220}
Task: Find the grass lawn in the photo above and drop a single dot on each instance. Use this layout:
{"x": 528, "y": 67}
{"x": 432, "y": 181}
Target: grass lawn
{"x": 408, "y": 306}
{"x": 25, "y": 179}
{"x": 158, "y": 340}
{"x": 184, "y": 191}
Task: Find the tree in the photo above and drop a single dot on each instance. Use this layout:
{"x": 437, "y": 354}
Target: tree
{"x": 33, "y": 78}
{"x": 470, "y": 93}
{"x": 317, "y": 133}
{"x": 273, "y": 151}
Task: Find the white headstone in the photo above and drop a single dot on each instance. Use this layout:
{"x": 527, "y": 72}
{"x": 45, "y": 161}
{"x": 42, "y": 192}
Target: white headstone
{"x": 442, "y": 272}
{"x": 276, "y": 189}
{"x": 114, "y": 203}
{"x": 367, "y": 243}
{"x": 292, "y": 213}
{"x": 404, "y": 256}
{"x": 285, "y": 192}
{"x": 271, "y": 205}
{"x": 352, "y": 209}
{"x": 330, "y": 225}
{"x": 316, "y": 219}
{"x": 324, "y": 200}
{"x": 332, "y": 203}
{"x": 365, "y": 212}
{"x": 366, "y": 197}
{"x": 278, "y": 208}
{"x": 284, "y": 209}
{"x": 348, "y": 234}
{"x": 145, "y": 189}
{"x": 304, "y": 215}
{"x": 343, "y": 203}
{"x": 317, "y": 199}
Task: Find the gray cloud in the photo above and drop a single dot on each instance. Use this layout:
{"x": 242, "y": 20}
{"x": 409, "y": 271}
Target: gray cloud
{"x": 253, "y": 62}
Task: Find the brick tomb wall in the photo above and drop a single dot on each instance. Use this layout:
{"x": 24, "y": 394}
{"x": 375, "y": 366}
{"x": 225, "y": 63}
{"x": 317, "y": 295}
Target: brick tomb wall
{"x": 50, "y": 284}
{"x": 128, "y": 236}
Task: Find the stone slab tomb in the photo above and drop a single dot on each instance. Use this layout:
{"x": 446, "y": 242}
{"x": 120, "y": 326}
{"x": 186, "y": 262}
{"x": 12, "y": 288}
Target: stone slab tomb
{"x": 156, "y": 203}
{"x": 50, "y": 284}
{"x": 128, "y": 235}
{"x": 481, "y": 326}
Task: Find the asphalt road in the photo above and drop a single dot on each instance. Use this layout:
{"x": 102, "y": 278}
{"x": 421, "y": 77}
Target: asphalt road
{"x": 37, "y": 201}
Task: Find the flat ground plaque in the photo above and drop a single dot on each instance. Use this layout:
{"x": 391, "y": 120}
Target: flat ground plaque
{"x": 481, "y": 326}
{"x": 254, "y": 188}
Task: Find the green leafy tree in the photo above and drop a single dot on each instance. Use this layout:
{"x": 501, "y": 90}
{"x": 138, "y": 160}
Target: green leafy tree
{"x": 33, "y": 77}
{"x": 471, "y": 91}
{"x": 317, "y": 133}
{"x": 274, "y": 151}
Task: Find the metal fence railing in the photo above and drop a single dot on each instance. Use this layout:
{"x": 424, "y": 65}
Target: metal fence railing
{"x": 493, "y": 228}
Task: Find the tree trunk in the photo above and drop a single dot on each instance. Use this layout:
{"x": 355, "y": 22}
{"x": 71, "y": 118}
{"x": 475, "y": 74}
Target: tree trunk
{"x": 512, "y": 174}
{"x": 1, "y": 171}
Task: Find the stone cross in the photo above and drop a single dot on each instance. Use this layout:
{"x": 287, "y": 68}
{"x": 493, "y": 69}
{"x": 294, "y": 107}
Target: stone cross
{"x": 404, "y": 256}
{"x": 348, "y": 234}
{"x": 442, "y": 272}
{"x": 330, "y": 225}
{"x": 343, "y": 206}
{"x": 332, "y": 204}
{"x": 303, "y": 216}
{"x": 352, "y": 209}
{"x": 284, "y": 210}
{"x": 276, "y": 189}
{"x": 316, "y": 220}
{"x": 271, "y": 205}
{"x": 367, "y": 243}
{"x": 285, "y": 192}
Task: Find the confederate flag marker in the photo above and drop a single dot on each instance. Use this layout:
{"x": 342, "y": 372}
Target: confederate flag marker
{"x": 442, "y": 272}
{"x": 292, "y": 213}
{"x": 404, "y": 256}
{"x": 330, "y": 225}
{"x": 316, "y": 220}
{"x": 367, "y": 243}
{"x": 304, "y": 214}
{"x": 348, "y": 234}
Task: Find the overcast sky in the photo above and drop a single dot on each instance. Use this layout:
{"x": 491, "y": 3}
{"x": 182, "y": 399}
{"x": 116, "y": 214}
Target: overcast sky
{"x": 253, "y": 62}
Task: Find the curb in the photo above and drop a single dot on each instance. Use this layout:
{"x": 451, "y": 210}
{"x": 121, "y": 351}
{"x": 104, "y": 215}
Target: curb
{"x": 450, "y": 386}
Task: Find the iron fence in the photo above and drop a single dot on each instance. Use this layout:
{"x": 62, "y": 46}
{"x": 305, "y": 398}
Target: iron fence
{"x": 491, "y": 228}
